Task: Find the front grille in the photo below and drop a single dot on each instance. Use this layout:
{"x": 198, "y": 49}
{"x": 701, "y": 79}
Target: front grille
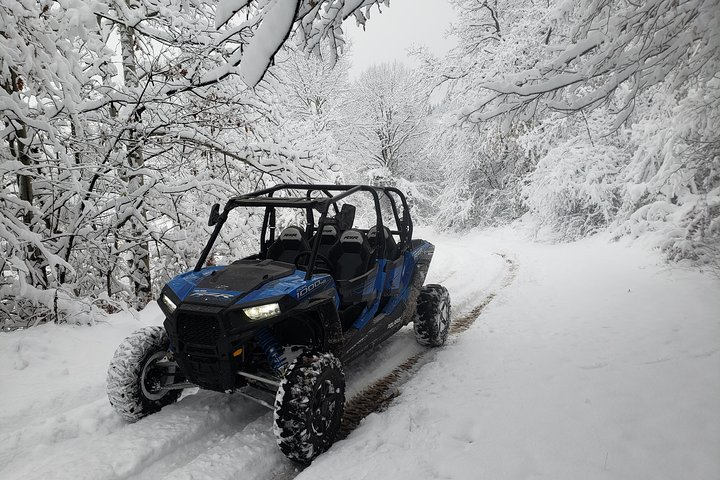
{"x": 198, "y": 329}
{"x": 203, "y": 350}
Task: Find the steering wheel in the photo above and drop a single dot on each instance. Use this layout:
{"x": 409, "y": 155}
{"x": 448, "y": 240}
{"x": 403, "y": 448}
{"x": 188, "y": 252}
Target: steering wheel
{"x": 322, "y": 264}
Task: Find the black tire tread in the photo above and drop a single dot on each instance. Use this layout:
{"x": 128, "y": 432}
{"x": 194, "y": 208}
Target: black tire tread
{"x": 123, "y": 377}
{"x": 428, "y": 331}
{"x": 291, "y": 419}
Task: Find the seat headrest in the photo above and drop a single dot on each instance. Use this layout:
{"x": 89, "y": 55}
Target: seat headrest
{"x": 292, "y": 233}
{"x": 352, "y": 236}
{"x": 329, "y": 230}
{"x": 372, "y": 233}
{"x": 389, "y": 244}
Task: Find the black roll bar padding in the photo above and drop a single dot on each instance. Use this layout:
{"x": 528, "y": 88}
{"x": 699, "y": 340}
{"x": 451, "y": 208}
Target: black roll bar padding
{"x": 379, "y": 223}
{"x": 271, "y": 225}
{"x": 406, "y": 213}
{"x": 310, "y": 218}
{"x": 298, "y": 186}
{"x": 263, "y": 245}
{"x": 326, "y": 192}
{"x": 397, "y": 220}
{"x": 337, "y": 210}
{"x": 315, "y": 246}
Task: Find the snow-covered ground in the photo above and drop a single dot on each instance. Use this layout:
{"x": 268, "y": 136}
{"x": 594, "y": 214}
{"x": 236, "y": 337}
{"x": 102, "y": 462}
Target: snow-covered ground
{"x": 597, "y": 361}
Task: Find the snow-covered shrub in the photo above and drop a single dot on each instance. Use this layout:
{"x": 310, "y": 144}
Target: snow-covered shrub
{"x": 23, "y": 306}
{"x": 420, "y": 194}
{"x": 464, "y": 207}
{"x": 482, "y": 169}
{"x": 673, "y": 180}
{"x": 574, "y": 188}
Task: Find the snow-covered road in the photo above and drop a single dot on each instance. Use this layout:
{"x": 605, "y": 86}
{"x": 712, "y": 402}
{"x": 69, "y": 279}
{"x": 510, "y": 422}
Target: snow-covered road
{"x": 598, "y": 361}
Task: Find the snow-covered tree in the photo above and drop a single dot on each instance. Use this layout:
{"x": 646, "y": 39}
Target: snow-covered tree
{"x": 390, "y": 106}
{"x": 615, "y": 50}
{"x": 606, "y": 107}
{"x": 106, "y": 173}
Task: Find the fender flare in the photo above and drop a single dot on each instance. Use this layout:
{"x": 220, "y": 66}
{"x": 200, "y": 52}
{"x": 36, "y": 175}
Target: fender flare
{"x": 330, "y": 321}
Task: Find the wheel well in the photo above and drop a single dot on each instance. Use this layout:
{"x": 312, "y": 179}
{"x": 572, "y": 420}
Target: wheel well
{"x": 302, "y": 329}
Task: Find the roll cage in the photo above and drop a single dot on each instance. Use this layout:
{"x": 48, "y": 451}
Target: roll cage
{"x": 265, "y": 198}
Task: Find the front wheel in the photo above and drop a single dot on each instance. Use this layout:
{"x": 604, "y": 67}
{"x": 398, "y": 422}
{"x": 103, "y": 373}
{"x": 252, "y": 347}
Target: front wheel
{"x": 309, "y": 406}
{"x": 135, "y": 379}
{"x": 432, "y": 317}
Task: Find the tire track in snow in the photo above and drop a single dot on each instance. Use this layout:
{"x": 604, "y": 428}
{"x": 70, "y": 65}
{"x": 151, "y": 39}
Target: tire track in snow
{"x": 52, "y": 404}
{"x": 94, "y": 418}
{"x": 461, "y": 324}
{"x": 134, "y": 447}
{"x": 247, "y": 452}
{"x": 377, "y": 396}
{"x": 251, "y": 449}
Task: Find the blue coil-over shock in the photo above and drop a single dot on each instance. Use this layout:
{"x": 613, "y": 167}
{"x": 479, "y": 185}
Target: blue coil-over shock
{"x": 272, "y": 349}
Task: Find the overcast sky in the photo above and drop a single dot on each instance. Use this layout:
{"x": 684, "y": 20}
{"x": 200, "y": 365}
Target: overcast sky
{"x": 389, "y": 34}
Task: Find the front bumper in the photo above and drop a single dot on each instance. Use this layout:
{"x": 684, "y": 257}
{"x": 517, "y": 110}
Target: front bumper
{"x": 203, "y": 345}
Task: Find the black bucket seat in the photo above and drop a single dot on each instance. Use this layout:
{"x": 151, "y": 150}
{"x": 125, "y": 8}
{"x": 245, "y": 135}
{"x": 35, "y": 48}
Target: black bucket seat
{"x": 328, "y": 237}
{"x": 351, "y": 255}
{"x": 289, "y": 245}
{"x": 391, "y": 248}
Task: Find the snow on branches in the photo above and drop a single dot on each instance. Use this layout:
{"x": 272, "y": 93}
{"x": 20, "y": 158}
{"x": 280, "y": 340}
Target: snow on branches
{"x": 616, "y": 48}
{"x": 107, "y": 172}
{"x": 268, "y": 24}
{"x": 605, "y": 114}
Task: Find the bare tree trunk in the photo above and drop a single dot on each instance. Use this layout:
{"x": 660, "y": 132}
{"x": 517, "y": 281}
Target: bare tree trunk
{"x": 140, "y": 261}
{"x": 19, "y": 150}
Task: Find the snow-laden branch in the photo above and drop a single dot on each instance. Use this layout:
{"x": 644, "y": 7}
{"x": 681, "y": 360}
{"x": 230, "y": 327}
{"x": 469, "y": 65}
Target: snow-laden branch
{"x": 271, "y": 22}
{"x": 617, "y": 44}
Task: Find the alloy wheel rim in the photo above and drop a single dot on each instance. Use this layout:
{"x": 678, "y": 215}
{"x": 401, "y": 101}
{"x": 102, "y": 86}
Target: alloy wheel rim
{"x": 151, "y": 377}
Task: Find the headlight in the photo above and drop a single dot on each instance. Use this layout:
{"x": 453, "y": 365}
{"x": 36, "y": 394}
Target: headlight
{"x": 168, "y": 303}
{"x": 262, "y": 312}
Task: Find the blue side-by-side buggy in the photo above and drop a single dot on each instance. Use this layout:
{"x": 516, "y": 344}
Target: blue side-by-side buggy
{"x": 282, "y": 323}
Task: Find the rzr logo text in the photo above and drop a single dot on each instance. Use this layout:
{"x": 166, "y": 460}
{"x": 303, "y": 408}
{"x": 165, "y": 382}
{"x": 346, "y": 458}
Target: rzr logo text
{"x": 210, "y": 293}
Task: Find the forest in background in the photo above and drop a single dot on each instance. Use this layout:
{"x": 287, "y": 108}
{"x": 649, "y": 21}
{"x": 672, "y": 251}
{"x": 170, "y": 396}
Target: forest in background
{"x": 124, "y": 120}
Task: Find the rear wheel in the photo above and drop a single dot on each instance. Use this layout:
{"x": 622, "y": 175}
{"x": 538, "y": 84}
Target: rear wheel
{"x": 432, "y": 317}
{"x": 309, "y": 406}
{"x": 134, "y": 379}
